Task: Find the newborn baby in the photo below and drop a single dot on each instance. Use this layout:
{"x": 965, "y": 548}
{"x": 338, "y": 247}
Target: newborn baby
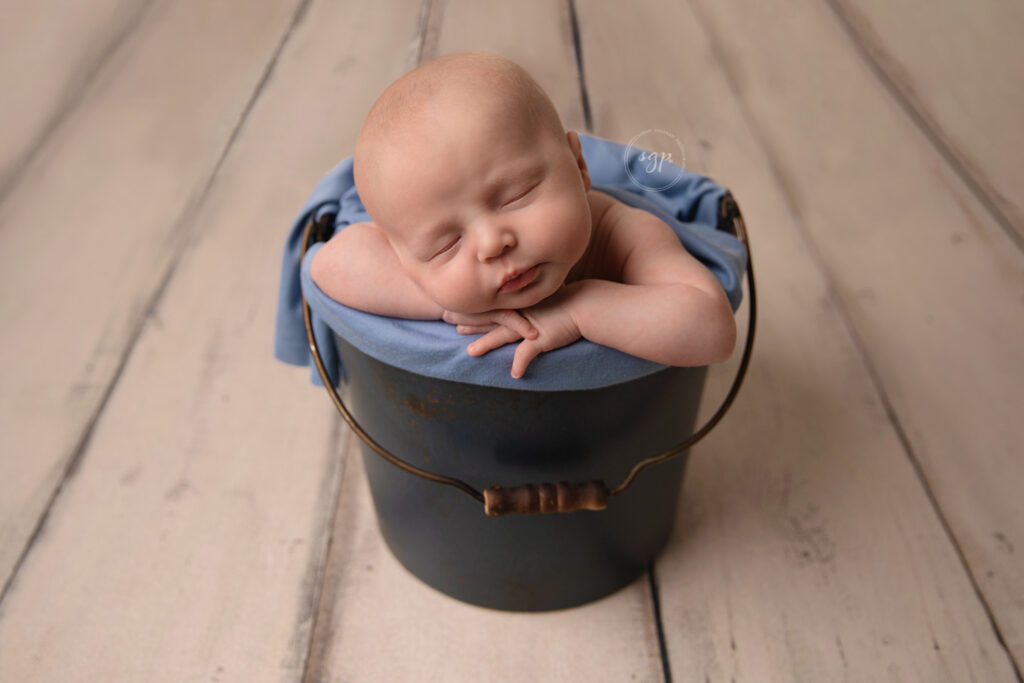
{"x": 483, "y": 216}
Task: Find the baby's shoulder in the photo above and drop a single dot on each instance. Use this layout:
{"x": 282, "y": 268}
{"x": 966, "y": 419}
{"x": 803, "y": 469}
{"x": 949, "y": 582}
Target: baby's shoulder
{"x": 612, "y": 236}
{"x": 624, "y": 234}
{"x": 619, "y": 224}
{"x": 611, "y": 215}
{"x": 600, "y": 206}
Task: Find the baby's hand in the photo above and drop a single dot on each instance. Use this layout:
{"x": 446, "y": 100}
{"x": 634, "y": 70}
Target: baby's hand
{"x": 552, "y": 321}
{"x": 474, "y": 323}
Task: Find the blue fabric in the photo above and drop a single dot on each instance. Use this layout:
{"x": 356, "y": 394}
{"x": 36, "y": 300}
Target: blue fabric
{"x": 689, "y": 205}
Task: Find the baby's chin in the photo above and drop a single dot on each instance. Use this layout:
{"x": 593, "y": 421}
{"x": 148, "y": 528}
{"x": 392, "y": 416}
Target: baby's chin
{"x": 498, "y": 304}
{"x": 531, "y": 296}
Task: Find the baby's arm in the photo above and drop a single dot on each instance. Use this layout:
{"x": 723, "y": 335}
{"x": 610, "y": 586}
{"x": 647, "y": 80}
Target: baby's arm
{"x": 665, "y": 307}
{"x": 357, "y": 267}
{"x": 648, "y": 297}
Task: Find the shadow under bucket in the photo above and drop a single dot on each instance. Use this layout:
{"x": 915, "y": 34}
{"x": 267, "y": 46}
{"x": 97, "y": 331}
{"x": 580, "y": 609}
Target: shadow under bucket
{"x": 487, "y": 436}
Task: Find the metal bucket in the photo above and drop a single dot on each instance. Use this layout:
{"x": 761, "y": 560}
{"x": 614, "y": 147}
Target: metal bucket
{"x": 486, "y": 436}
{"x": 419, "y": 432}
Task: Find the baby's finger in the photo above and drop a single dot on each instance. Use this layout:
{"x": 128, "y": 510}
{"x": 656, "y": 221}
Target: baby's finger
{"x": 525, "y": 353}
{"x": 499, "y": 336}
{"x": 455, "y": 318}
{"x": 466, "y": 318}
{"x": 474, "y": 329}
{"x": 516, "y": 321}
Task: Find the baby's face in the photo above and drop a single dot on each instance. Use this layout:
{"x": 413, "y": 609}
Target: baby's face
{"x": 484, "y": 214}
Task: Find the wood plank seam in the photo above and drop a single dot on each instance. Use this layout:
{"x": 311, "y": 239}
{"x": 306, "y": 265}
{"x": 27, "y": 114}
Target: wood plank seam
{"x": 885, "y": 69}
{"x": 179, "y": 248}
{"x": 320, "y": 611}
{"x": 652, "y": 582}
{"x": 89, "y": 73}
{"x": 876, "y": 380}
{"x": 577, "y": 47}
{"x": 418, "y": 45}
{"x": 431, "y": 20}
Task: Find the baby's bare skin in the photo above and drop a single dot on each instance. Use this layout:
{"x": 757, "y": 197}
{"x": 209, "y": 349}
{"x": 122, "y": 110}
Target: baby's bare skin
{"x": 484, "y": 217}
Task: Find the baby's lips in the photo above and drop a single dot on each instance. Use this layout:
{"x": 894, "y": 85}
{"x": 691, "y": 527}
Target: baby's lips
{"x": 519, "y": 280}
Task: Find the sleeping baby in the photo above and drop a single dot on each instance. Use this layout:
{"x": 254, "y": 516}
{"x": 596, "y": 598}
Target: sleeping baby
{"x": 483, "y": 216}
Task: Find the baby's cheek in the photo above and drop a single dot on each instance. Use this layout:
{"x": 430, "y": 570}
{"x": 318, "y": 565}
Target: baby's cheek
{"x": 572, "y": 233}
{"x": 460, "y": 291}
{"x": 433, "y": 286}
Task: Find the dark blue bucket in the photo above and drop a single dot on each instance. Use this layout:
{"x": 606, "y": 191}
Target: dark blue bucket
{"x": 418, "y": 431}
{"x": 488, "y": 436}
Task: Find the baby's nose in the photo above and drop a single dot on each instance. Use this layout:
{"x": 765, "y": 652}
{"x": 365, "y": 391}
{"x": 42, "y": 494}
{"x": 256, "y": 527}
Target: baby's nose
{"x": 494, "y": 242}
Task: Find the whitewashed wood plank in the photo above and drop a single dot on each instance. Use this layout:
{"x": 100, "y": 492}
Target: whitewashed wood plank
{"x": 961, "y": 66}
{"x": 188, "y": 545}
{"x": 48, "y": 53}
{"x": 806, "y": 547}
{"x": 932, "y": 285}
{"x": 88, "y": 235}
{"x": 378, "y": 622}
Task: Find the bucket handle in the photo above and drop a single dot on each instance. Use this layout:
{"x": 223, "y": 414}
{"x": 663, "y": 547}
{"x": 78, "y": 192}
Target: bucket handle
{"x": 546, "y": 497}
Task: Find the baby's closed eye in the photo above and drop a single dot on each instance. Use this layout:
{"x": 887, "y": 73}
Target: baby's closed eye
{"x": 521, "y": 194}
{"x": 449, "y": 245}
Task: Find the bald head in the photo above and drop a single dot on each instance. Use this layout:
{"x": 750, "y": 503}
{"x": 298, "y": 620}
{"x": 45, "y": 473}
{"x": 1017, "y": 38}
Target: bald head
{"x": 482, "y": 86}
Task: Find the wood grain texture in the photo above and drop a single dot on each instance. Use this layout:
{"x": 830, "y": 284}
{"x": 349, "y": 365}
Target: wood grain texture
{"x": 88, "y": 235}
{"x": 190, "y": 543}
{"x": 206, "y": 516}
{"x": 960, "y": 66}
{"x": 931, "y": 284}
{"x": 806, "y": 548}
{"x": 49, "y": 53}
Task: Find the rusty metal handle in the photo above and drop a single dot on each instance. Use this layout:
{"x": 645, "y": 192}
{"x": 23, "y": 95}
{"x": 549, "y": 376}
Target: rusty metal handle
{"x": 548, "y": 497}
{"x": 545, "y": 498}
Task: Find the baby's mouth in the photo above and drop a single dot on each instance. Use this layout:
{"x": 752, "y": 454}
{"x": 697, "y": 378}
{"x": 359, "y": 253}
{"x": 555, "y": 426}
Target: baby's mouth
{"x": 517, "y": 281}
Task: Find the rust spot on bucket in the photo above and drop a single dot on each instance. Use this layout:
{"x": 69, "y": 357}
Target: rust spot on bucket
{"x": 429, "y": 407}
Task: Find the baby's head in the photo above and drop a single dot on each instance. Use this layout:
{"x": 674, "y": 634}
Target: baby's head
{"x": 464, "y": 165}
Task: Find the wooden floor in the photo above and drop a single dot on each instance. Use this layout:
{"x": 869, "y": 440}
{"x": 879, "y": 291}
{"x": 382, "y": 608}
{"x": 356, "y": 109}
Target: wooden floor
{"x": 175, "y": 505}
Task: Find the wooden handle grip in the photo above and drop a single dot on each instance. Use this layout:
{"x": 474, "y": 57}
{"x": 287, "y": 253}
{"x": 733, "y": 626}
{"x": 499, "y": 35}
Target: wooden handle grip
{"x": 530, "y": 498}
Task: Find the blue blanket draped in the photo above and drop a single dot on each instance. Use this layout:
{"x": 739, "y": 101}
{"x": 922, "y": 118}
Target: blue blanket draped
{"x": 689, "y": 205}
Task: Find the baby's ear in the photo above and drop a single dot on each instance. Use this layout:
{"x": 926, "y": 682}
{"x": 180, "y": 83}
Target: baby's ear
{"x": 577, "y": 150}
